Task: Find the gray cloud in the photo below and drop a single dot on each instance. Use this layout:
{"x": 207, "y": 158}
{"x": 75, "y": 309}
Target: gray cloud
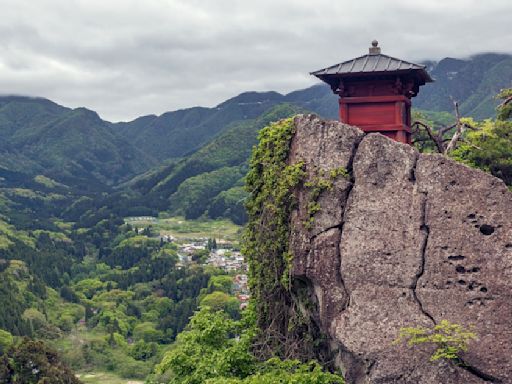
{"x": 126, "y": 58}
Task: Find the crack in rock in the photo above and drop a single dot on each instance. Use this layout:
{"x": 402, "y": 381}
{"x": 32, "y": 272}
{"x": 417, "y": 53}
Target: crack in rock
{"x": 339, "y": 274}
{"x": 477, "y": 372}
{"x": 348, "y": 199}
{"x": 425, "y": 229}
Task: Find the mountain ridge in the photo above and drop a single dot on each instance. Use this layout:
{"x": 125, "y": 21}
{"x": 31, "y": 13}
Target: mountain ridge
{"x": 149, "y": 157}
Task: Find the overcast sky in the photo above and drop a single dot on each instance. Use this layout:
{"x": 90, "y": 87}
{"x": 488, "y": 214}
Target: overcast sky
{"x": 126, "y": 58}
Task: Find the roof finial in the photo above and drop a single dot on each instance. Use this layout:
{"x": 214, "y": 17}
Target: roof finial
{"x": 375, "y": 49}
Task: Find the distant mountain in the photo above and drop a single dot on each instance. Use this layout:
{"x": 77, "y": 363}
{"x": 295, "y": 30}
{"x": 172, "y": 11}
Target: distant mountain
{"x": 175, "y": 134}
{"x": 472, "y": 82}
{"x": 168, "y": 162}
{"x": 72, "y": 146}
{"x": 190, "y": 186}
{"x": 82, "y": 155}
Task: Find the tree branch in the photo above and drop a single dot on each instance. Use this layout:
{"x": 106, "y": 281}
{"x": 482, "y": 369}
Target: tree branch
{"x": 430, "y": 133}
{"x": 461, "y": 127}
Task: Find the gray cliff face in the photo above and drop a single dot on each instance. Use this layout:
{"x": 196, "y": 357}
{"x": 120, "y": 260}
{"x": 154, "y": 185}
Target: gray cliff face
{"x": 408, "y": 239}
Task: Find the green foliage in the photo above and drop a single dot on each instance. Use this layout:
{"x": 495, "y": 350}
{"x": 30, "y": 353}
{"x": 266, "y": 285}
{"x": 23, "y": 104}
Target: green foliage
{"x": 130, "y": 368}
{"x": 276, "y": 371}
{"x": 35, "y": 319}
{"x": 206, "y": 351}
{"x": 216, "y": 349}
{"x": 230, "y": 204}
{"x": 69, "y": 145}
{"x": 487, "y": 145}
{"x": 211, "y": 244}
{"x": 146, "y": 331}
{"x": 286, "y": 331}
{"x": 13, "y": 303}
{"x": 270, "y": 181}
{"x": 46, "y": 181}
{"x": 435, "y": 120}
{"x": 317, "y": 186}
{"x": 448, "y": 338}
{"x": 489, "y": 148}
{"x": 505, "y": 108}
{"x": 89, "y": 287}
{"x": 220, "y": 301}
{"x": 222, "y": 283}
{"x": 33, "y": 362}
{"x": 6, "y": 340}
{"x": 200, "y": 255}
{"x": 193, "y": 195}
{"x": 229, "y": 150}
{"x": 116, "y": 340}
{"x": 143, "y": 351}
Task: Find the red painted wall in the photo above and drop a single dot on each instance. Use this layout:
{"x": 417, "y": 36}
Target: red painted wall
{"x": 376, "y": 106}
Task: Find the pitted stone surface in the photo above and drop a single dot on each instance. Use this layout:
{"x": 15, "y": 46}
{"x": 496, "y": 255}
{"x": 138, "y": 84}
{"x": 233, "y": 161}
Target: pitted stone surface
{"x": 468, "y": 269}
{"x": 408, "y": 240}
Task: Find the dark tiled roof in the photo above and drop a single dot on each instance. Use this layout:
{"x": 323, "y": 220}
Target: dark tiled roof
{"x": 372, "y": 63}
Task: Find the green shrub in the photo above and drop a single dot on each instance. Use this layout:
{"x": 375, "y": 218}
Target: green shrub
{"x": 449, "y": 339}
{"x": 6, "y": 340}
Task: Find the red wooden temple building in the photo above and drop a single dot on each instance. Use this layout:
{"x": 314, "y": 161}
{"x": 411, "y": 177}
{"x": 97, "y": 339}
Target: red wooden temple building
{"x": 375, "y": 92}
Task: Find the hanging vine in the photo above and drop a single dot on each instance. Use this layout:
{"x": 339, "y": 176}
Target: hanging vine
{"x": 283, "y": 307}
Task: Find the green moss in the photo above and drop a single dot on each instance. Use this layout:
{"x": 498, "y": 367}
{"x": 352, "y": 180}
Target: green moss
{"x": 340, "y": 171}
{"x": 316, "y": 187}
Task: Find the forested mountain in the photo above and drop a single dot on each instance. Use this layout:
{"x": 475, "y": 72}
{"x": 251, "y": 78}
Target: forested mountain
{"x": 189, "y": 161}
{"x": 77, "y": 147}
{"x": 472, "y": 82}
{"x": 175, "y": 134}
{"x": 190, "y": 185}
{"x": 72, "y": 146}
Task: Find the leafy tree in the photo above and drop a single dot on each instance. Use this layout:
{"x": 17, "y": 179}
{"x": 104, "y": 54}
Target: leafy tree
{"x": 146, "y": 331}
{"x": 6, "y": 340}
{"x": 230, "y": 204}
{"x": 143, "y": 351}
{"x": 33, "y": 362}
{"x": 211, "y": 244}
{"x": 505, "y": 108}
{"x": 223, "y": 283}
{"x": 206, "y": 351}
{"x": 489, "y": 148}
{"x": 220, "y": 301}
{"x": 37, "y": 286}
{"x": 200, "y": 255}
{"x": 116, "y": 340}
{"x": 276, "y": 371}
{"x": 35, "y": 318}
{"x": 89, "y": 287}
{"x": 13, "y": 305}
{"x": 486, "y": 145}
{"x": 215, "y": 349}
{"x": 68, "y": 294}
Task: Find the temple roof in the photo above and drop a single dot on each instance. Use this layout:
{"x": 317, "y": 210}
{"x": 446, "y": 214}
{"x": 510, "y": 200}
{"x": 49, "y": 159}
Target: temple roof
{"x": 372, "y": 63}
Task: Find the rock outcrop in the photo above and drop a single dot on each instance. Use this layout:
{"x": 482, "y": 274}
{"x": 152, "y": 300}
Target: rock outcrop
{"x": 405, "y": 239}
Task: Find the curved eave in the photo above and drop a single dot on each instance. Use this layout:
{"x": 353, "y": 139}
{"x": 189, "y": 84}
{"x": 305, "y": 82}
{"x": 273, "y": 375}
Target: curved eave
{"x": 329, "y": 78}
